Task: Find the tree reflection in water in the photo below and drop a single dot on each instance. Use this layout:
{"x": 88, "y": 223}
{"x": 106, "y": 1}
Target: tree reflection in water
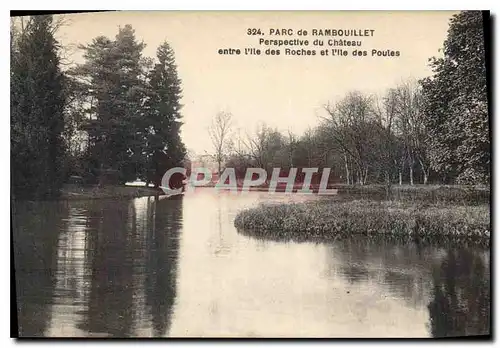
{"x": 35, "y": 247}
{"x": 109, "y": 309}
{"x": 461, "y": 295}
{"x": 163, "y": 262}
{"x": 453, "y": 283}
{"x": 135, "y": 254}
{"x": 402, "y": 269}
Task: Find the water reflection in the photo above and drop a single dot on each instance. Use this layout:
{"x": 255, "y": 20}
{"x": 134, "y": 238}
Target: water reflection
{"x": 111, "y": 243}
{"x": 455, "y": 288}
{"x": 113, "y": 269}
{"x": 163, "y": 263}
{"x": 35, "y": 246}
{"x": 403, "y": 269}
{"x": 461, "y": 295}
{"x": 152, "y": 267}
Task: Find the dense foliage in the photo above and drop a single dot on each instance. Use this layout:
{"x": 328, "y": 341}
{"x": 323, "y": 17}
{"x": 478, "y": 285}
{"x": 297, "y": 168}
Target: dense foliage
{"x": 456, "y": 105}
{"x": 37, "y": 110}
{"x": 134, "y": 107}
{"x": 113, "y": 118}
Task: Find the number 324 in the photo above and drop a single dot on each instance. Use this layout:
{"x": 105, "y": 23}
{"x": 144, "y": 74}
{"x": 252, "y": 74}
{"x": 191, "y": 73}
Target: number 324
{"x": 253, "y": 31}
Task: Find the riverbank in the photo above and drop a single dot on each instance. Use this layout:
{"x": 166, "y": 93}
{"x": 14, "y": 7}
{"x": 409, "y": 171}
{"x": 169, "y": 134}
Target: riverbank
{"x": 445, "y": 194}
{"x": 326, "y": 220}
{"x": 75, "y": 192}
{"x": 436, "y": 194}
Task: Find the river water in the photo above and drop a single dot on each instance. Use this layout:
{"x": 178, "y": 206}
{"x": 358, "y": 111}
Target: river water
{"x": 177, "y": 267}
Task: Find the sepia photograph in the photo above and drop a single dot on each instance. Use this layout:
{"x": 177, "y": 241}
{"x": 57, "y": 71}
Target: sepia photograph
{"x": 250, "y": 174}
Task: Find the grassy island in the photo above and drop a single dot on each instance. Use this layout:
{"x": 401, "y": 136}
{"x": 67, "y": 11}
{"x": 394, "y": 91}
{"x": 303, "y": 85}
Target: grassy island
{"x": 338, "y": 218}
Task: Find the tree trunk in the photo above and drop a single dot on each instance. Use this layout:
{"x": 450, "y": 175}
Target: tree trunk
{"x": 411, "y": 164}
{"x": 351, "y": 172}
{"x": 347, "y": 169}
{"x": 424, "y": 170}
{"x": 388, "y": 188}
{"x": 100, "y": 179}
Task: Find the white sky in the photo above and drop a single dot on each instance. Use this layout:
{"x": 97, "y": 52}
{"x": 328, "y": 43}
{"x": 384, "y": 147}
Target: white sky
{"x": 283, "y": 91}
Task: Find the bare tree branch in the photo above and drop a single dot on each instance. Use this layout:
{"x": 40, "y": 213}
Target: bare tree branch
{"x": 219, "y": 132}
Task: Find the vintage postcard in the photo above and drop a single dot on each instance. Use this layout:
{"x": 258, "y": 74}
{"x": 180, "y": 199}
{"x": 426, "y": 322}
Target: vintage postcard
{"x": 251, "y": 174}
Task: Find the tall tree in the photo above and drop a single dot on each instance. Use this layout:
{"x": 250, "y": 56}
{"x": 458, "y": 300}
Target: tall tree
{"x": 456, "y": 105}
{"x": 219, "y": 132}
{"x": 129, "y": 97}
{"x": 115, "y": 91}
{"x": 386, "y": 144}
{"x": 37, "y": 105}
{"x": 95, "y": 76}
{"x": 266, "y": 148}
{"x": 350, "y": 123}
{"x": 165, "y": 148}
{"x": 410, "y": 125}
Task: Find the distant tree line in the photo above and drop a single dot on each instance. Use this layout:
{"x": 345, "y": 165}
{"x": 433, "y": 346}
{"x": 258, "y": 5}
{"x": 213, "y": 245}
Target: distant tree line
{"x": 432, "y": 130}
{"x": 117, "y": 112}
